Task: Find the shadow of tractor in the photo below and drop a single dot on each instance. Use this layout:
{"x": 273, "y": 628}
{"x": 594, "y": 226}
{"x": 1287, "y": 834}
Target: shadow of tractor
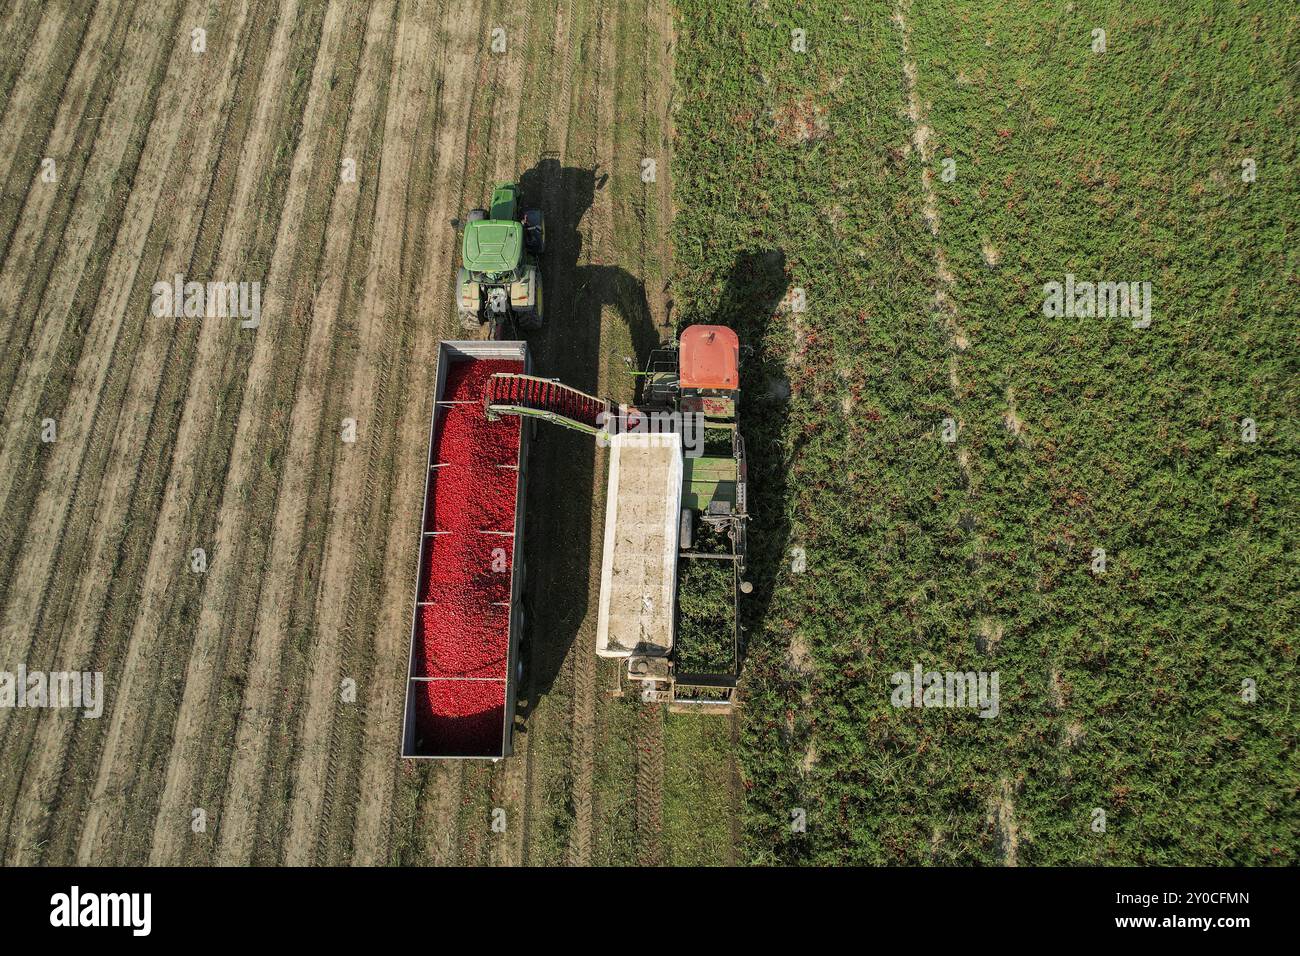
{"x": 561, "y": 504}
{"x": 560, "y": 501}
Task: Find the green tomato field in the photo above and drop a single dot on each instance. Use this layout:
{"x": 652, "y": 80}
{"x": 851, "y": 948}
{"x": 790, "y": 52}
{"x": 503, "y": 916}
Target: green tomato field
{"x": 1113, "y": 529}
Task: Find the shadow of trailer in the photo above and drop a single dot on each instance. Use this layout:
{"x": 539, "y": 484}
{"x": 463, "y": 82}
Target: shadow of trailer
{"x": 465, "y": 667}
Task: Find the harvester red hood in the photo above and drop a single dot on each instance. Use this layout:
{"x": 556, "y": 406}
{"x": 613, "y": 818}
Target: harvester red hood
{"x": 710, "y": 357}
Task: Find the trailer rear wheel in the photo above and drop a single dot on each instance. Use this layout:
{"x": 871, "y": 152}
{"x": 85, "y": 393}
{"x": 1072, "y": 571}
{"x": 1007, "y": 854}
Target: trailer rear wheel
{"x": 523, "y": 656}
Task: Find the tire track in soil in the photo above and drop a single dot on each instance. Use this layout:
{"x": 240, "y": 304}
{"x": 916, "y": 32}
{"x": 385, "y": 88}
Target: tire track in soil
{"x": 69, "y": 370}
{"x": 949, "y": 315}
{"x": 359, "y": 832}
{"x": 650, "y": 785}
{"x": 548, "y": 136}
{"x": 582, "y": 747}
{"x": 274, "y": 819}
{"x": 195, "y": 442}
{"x": 107, "y": 475}
{"x": 276, "y": 349}
{"x": 455, "y": 785}
{"x": 257, "y": 475}
{"x": 944, "y": 306}
{"x": 555, "y": 141}
{"x": 59, "y": 118}
{"x": 594, "y": 697}
{"x": 650, "y": 736}
{"x": 465, "y": 27}
{"x": 100, "y": 221}
{"x": 29, "y": 85}
{"x": 548, "y": 775}
{"x": 433, "y": 809}
{"x": 251, "y": 480}
{"x": 539, "y": 38}
{"x": 491, "y": 148}
{"x": 430, "y": 810}
{"x": 265, "y": 393}
{"x": 26, "y": 554}
{"x": 347, "y": 240}
{"x": 523, "y": 36}
{"x": 26, "y": 74}
{"x": 64, "y": 95}
{"x": 18, "y": 29}
{"x": 441, "y": 789}
{"x": 540, "y": 41}
{"x": 52, "y": 244}
{"x": 209, "y": 190}
{"x": 505, "y": 109}
{"x": 582, "y": 751}
{"x": 384, "y": 328}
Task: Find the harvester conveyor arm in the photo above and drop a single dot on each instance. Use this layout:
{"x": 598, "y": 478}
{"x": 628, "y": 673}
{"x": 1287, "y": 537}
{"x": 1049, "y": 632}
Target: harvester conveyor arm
{"x": 534, "y": 397}
{"x": 544, "y": 416}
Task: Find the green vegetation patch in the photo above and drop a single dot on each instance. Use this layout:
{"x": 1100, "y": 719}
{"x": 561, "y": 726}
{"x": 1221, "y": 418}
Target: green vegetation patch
{"x": 698, "y": 817}
{"x": 706, "y": 616}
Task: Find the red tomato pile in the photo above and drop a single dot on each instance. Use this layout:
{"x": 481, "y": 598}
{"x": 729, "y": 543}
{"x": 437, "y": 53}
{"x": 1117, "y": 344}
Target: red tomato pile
{"x": 464, "y": 717}
{"x": 466, "y": 629}
{"x": 549, "y": 396}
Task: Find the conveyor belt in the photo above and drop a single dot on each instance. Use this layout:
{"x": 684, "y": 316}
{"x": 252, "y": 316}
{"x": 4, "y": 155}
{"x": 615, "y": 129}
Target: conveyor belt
{"x": 528, "y": 395}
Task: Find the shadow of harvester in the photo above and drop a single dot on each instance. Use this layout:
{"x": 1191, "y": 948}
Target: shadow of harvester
{"x": 748, "y": 302}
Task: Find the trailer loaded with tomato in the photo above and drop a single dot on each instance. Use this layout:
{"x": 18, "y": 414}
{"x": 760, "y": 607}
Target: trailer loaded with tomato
{"x": 464, "y": 669}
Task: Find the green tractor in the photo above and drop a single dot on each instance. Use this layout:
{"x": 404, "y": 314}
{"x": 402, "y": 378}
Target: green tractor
{"x": 500, "y": 282}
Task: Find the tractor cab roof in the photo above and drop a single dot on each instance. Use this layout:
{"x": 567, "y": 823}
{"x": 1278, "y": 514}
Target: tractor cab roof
{"x": 710, "y": 357}
{"x": 493, "y": 245}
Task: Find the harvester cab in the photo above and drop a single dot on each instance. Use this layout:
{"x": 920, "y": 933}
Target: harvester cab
{"x": 709, "y": 372}
{"x": 499, "y": 283}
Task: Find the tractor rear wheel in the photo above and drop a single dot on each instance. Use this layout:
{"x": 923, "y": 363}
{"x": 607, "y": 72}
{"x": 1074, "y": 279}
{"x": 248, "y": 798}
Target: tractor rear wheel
{"x": 534, "y": 232}
{"x": 469, "y": 318}
{"x": 532, "y": 319}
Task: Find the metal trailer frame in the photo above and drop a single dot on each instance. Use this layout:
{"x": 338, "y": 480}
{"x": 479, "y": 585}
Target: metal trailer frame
{"x": 661, "y": 388}
{"x": 723, "y": 682}
{"x": 450, "y": 351}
